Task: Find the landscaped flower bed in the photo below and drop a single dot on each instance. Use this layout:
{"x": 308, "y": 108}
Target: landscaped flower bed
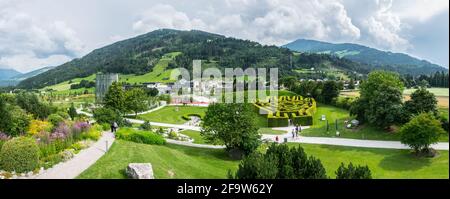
{"x": 44, "y": 146}
{"x": 280, "y": 110}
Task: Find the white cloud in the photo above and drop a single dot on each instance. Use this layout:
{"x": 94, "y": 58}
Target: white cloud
{"x": 269, "y": 21}
{"x": 421, "y": 10}
{"x": 164, "y": 16}
{"x": 34, "y": 33}
{"x": 27, "y": 44}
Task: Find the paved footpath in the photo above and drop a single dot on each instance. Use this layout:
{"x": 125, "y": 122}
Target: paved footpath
{"x": 315, "y": 140}
{"x": 81, "y": 161}
{"x": 347, "y": 141}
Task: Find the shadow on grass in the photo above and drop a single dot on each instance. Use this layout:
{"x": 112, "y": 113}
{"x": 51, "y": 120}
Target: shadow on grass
{"x": 405, "y": 161}
{"x": 201, "y": 152}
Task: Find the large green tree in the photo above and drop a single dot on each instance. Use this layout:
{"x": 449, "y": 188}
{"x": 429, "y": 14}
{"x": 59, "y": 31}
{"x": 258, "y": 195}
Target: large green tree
{"x": 421, "y": 132}
{"x": 330, "y": 91}
{"x": 31, "y": 103}
{"x": 421, "y": 101}
{"x": 115, "y": 98}
{"x": 136, "y": 100}
{"x": 380, "y": 102}
{"x": 233, "y": 125}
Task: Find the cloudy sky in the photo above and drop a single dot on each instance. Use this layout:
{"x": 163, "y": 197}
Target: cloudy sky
{"x": 38, "y": 33}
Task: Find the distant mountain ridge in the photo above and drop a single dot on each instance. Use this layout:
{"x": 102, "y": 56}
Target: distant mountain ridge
{"x": 7, "y": 73}
{"x": 15, "y": 77}
{"x": 401, "y": 62}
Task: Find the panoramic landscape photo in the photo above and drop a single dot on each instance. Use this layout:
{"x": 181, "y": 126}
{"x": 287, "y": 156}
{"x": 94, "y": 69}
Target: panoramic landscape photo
{"x": 232, "y": 89}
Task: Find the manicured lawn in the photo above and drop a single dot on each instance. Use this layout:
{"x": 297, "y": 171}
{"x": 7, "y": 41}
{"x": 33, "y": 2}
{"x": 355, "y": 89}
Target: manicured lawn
{"x": 270, "y": 131}
{"x": 172, "y": 161}
{"x": 384, "y": 163}
{"x": 319, "y": 129}
{"x": 198, "y": 139}
{"x": 169, "y": 114}
{"x": 168, "y": 161}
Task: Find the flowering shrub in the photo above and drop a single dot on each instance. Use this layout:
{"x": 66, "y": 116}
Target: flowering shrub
{"x": 78, "y": 128}
{"x": 37, "y": 126}
{"x": 61, "y": 132}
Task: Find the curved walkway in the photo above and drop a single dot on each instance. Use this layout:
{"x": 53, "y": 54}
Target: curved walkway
{"x": 314, "y": 140}
{"x": 81, "y": 161}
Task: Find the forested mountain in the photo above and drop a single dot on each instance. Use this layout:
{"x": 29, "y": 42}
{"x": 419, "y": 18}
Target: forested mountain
{"x": 399, "y": 62}
{"x": 138, "y": 56}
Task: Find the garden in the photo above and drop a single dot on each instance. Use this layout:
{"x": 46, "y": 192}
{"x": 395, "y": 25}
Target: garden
{"x": 281, "y": 110}
{"x": 35, "y": 136}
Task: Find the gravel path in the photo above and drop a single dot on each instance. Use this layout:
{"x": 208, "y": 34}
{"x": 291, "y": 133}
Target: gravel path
{"x": 81, "y": 161}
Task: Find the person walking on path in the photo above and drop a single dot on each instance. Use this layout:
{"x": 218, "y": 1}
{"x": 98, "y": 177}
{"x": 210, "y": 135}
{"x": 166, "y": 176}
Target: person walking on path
{"x": 296, "y": 130}
{"x": 293, "y": 133}
{"x": 299, "y": 129}
{"x": 115, "y": 126}
{"x": 276, "y": 138}
{"x": 112, "y": 127}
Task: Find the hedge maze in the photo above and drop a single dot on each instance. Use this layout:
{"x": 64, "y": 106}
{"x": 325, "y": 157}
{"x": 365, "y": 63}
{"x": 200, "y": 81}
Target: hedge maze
{"x": 279, "y": 110}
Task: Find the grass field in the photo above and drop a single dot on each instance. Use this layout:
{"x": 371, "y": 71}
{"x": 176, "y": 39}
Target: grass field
{"x": 442, "y": 95}
{"x": 169, "y": 114}
{"x": 172, "y": 161}
{"x": 442, "y": 92}
{"x": 332, "y": 113}
{"x": 198, "y": 139}
{"x": 383, "y": 163}
{"x": 168, "y": 161}
{"x": 158, "y": 74}
{"x": 270, "y": 131}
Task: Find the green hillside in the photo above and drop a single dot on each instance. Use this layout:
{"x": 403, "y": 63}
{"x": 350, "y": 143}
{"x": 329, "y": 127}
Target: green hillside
{"x": 145, "y": 57}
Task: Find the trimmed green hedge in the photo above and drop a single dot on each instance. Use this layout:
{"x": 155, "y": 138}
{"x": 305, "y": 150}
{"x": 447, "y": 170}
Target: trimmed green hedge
{"x": 297, "y": 108}
{"x": 187, "y": 116}
{"x": 278, "y": 120}
{"x": 19, "y": 154}
{"x": 138, "y": 136}
{"x": 305, "y": 120}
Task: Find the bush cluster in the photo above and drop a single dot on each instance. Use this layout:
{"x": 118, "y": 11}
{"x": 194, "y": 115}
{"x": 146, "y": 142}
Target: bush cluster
{"x": 19, "y": 154}
{"x": 145, "y": 137}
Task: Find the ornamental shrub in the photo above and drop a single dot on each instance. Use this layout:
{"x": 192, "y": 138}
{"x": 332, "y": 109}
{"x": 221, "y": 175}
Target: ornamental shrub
{"x": 37, "y": 126}
{"x": 145, "y": 137}
{"x": 146, "y": 126}
{"x": 55, "y": 119}
{"x": 19, "y": 154}
{"x": 353, "y": 172}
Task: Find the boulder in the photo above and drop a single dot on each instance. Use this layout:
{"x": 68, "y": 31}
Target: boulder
{"x": 140, "y": 171}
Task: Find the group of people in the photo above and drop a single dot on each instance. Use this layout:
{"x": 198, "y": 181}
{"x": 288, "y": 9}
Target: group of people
{"x": 296, "y": 130}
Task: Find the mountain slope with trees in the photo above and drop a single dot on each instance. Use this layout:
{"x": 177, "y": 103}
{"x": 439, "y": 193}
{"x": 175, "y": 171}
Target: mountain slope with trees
{"x": 140, "y": 54}
{"x": 398, "y": 62}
